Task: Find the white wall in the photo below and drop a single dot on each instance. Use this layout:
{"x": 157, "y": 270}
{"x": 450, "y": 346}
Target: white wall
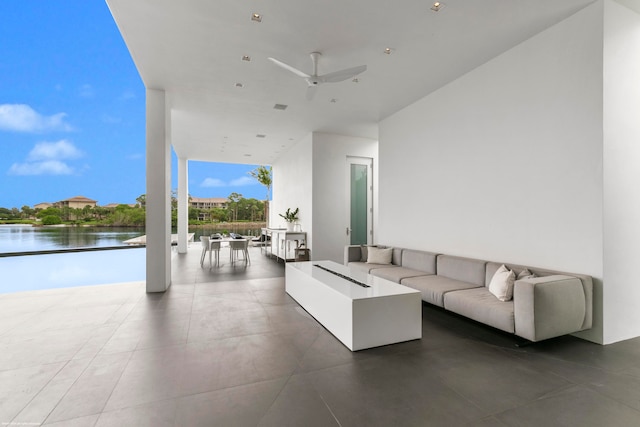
{"x": 621, "y": 171}
{"x": 292, "y": 184}
{"x": 330, "y": 192}
{"x": 505, "y": 163}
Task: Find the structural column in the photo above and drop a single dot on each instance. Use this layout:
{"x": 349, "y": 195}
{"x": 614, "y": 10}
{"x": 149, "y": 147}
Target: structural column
{"x": 183, "y": 204}
{"x": 158, "y": 198}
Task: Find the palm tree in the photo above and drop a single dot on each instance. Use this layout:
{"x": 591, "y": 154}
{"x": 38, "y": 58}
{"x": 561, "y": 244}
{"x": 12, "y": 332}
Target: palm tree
{"x": 263, "y": 175}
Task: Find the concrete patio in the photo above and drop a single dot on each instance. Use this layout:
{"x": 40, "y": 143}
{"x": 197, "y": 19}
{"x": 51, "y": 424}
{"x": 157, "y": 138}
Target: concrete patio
{"x": 227, "y": 347}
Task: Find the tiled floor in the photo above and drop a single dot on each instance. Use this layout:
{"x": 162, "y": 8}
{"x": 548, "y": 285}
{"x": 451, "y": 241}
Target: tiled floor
{"x": 228, "y": 347}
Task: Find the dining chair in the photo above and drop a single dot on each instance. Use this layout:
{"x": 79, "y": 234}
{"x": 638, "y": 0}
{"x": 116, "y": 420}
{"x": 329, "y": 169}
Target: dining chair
{"x": 214, "y": 246}
{"x": 239, "y": 246}
{"x": 205, "y": 241}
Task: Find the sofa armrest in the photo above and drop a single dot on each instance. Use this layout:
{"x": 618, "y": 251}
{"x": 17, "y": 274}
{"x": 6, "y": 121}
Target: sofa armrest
{"x": 352, "y": 253}
{"x": 550, "y": 306}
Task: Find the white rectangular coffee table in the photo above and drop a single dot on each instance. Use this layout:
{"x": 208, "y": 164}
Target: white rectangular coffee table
{"x": 361, "y": 317}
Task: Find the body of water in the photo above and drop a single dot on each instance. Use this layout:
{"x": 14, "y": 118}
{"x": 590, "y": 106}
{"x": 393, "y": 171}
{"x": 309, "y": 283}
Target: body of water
{"x": 64, "y": 270}
{"x": 25, "y": 238}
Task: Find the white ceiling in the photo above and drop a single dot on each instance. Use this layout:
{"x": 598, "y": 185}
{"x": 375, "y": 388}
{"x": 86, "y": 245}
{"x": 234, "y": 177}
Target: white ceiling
{"x": 193, "y": 49}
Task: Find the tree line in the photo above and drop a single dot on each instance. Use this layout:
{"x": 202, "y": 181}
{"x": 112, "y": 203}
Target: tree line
{"x": 237, "y": 209}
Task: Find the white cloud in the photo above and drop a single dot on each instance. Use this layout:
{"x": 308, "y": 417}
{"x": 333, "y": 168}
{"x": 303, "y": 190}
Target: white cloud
{"x": 213, "y": 182}
{"x": 106, "y": 118}
{"x": 23, "y": 118}
{"x": 62, "y": 149}
{"x": 86, "y": 91}
{"x": 127, "y": 94}
{"x": 48, "y": 158}
{"x": 135, "y": 156}
{"x": 244, "y": 180}
{"x": 48, "y": 167}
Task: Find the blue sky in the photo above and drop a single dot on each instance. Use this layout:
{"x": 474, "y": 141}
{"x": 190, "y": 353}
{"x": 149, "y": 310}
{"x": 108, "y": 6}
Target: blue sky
{"x": 72, "y": 111}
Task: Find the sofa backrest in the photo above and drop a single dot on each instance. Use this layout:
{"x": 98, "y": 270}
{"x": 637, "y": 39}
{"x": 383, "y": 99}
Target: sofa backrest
{"x": 587, "y": 283}
{"x": 419, "y": 260}
{"x": 463, "y": 269}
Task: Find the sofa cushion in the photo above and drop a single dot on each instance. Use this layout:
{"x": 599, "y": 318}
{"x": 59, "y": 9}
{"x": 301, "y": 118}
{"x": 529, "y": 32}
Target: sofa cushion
{"x": 419, "y": 260}
{"x": 492, "y": 267}
{"x": 481, "y": 305}
{"x": 501, "y": 284}
{"x": 379, "y": 255}
{"x": 526, "y": 274}
{"x": 463, "y": 269}
{"x": 396, "y": 274}
{"x": 433, "y": 288}
{"x": 366, "y": 267}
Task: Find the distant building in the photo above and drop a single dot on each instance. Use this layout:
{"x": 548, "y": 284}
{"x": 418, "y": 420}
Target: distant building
{"x": 43, "y": 205}
{"x": 77, "y": 202}
{"x": 115, "y": 205}
{"x": 208, "y": 203}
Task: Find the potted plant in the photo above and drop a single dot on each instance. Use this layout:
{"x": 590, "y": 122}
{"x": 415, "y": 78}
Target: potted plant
{"x": 291, "y": 217}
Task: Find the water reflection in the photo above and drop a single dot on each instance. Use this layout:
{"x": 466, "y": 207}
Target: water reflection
{"x": 25, "y": 273}
{"x": 25, "y": 238}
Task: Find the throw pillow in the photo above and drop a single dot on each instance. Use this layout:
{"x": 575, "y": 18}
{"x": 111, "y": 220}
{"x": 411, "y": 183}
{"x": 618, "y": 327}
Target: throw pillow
{"x": 365, "y": 251}
{"x": 380, "y": 255}
{"x": 525, "y": 274}
{"x": 501, "y": 284}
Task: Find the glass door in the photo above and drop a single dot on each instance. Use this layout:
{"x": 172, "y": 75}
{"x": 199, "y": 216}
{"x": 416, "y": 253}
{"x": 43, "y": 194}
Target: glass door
{"x": 359, "y": 231}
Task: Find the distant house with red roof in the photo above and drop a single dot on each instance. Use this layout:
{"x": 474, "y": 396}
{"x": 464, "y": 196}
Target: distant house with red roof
{"x": 77, "y": 202}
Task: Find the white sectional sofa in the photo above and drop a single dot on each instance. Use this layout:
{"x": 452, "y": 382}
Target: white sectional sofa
{"x": 548, "y": 305}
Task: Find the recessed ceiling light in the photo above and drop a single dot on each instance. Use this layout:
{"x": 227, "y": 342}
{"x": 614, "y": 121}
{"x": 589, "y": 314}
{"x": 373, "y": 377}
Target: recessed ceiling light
{"x": 280, "y": 107}
{"x": 437, "y": 6}
{"x": 246, "y": 58}
{"x": 355, "y": 80}
{"x": 256, "y": 17}
{"x": 239, "y": 85}
{"x": 261, "y": 135}
{"x": 387, "y": 50}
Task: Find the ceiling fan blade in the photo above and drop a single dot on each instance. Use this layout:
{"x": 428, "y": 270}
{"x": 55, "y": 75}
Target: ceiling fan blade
{"x": 311, "y": 92}
{"x": 338, "y": 76}
{"x": 289, "y": 67}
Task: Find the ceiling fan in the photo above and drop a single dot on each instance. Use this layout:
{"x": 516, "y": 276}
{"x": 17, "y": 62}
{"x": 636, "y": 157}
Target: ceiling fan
{"x": 314, "y": 80}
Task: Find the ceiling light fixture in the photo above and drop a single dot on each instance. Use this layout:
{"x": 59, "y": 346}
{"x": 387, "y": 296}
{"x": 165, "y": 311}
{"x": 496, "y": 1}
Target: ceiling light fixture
{"x": 437, "y": 6}
{"x": 239, "y": 85}
{"x": 387, "y": 50}
{"x": 261, "y": 136}
{"x": 355, "y": 80}
{"x": 256, "y": 17}
{"x": 333, "y": 100}
{"x": 280, "y": 107}
{"x": 246, "y": 58}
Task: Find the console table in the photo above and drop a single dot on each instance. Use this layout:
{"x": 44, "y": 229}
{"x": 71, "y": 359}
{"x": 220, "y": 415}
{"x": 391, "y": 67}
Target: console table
{"x": 281, "y": 241}
{"x": 361, "y": 310}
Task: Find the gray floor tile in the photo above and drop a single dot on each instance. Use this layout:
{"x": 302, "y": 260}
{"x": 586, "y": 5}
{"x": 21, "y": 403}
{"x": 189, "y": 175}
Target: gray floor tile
{"x": 88, "y": 421}
{"x": 228, "y": 346}
{"x": 156, "y": 414}
{"x": 298, "y": 404}
{"x": 37, "y": 410}
{"x": 90, "y": 392}
{"x": 234, "y": 407}
{"x": 576, "y": 406}
{"x": 492, "y": 379}
{"x": 19, "y": 386}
